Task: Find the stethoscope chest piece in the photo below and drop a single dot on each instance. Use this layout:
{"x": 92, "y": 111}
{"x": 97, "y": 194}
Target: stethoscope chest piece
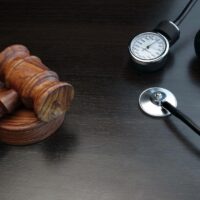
{"x": 150, "y": 101}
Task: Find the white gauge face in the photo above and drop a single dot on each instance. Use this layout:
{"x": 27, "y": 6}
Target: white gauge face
{"x": 149, "y": 47}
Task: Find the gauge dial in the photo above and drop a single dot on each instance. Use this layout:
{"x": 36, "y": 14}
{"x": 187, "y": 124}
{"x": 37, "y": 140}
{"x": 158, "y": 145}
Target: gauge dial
{"x": 148, "y": 47}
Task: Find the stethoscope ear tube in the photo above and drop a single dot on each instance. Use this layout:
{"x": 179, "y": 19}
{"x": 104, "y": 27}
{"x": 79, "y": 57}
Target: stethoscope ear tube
{"x": 180, "y": 115}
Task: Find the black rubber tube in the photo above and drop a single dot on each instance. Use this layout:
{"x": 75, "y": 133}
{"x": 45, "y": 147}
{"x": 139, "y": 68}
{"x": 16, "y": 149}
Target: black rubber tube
{"x": 184, "y": 118}
{"x": 185, "y": 12}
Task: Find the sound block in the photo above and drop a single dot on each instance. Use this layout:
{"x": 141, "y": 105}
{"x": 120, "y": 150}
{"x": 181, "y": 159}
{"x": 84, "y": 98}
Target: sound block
{"x": 22, "y": 127}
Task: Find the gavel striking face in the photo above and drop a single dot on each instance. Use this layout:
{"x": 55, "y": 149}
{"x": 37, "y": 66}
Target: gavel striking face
{"x": 28, "y": 79}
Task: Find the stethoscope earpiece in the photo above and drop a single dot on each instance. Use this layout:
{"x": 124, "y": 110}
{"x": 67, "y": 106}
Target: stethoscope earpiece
{"x": 197, "y": 44}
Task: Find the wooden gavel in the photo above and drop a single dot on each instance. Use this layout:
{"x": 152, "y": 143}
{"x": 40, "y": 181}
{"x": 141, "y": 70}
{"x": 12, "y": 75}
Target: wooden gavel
{"x": 27, "y": 79}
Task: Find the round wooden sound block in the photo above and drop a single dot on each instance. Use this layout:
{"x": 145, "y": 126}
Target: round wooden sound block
{"x": 23, "y": 127}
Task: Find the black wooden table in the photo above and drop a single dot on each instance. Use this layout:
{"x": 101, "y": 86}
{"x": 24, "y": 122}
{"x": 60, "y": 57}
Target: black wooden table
{"x": 107, "y": 149}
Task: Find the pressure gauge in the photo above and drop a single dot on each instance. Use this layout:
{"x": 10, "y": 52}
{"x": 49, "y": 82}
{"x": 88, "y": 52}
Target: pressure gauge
{"x": 149, "y": 48}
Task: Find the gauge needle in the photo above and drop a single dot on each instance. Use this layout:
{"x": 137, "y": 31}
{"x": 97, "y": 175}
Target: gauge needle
{"x": 145, "y": 49}
{"x": 151, "y": 44}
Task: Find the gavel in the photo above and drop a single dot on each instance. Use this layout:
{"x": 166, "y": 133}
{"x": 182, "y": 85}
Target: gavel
{"x": 29, "y": 81}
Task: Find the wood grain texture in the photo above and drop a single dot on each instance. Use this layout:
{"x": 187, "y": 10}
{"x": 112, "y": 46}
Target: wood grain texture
{"x": 106, "y": 149}
{"x": 22, "y": 127}
{"x": 38, "y": 87}
{"x": 9, "y": 101}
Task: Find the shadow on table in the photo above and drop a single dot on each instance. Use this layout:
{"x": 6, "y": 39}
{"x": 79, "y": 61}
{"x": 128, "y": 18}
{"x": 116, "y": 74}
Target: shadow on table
{"x": 4, "y": 149}
{"x": 191, "y": 146}
{"x": 56, "y": 147}
{"x": 194, "y": 71}
{"x": 146, "y": 78}
{"x": 60, "y": 144}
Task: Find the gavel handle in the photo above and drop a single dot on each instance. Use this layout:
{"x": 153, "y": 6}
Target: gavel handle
{"x": 9, "y": 100}
{"x": 183, "y": 117}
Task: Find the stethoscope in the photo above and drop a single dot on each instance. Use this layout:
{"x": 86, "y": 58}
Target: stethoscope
{"x": 160, "y": 102}
{"x": 149, "y": 50}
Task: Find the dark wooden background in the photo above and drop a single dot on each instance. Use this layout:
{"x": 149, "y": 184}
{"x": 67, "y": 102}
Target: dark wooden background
{"x": 107, "y": 149}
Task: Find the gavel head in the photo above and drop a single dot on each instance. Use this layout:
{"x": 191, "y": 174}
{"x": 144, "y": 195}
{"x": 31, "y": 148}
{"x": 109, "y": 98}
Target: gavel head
{"x": 37, "y": 86}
